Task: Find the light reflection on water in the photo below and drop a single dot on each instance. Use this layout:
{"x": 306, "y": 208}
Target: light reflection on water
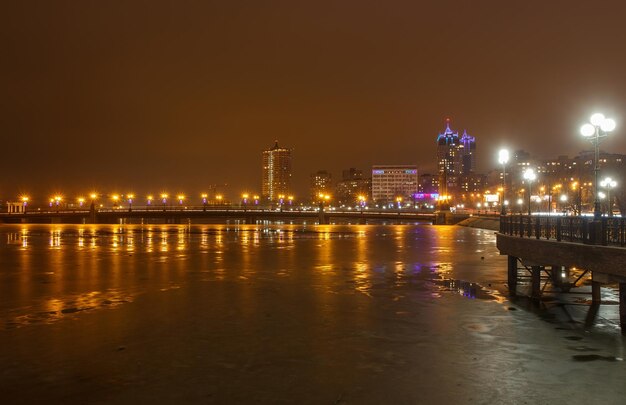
{"x": 49, "y": 272}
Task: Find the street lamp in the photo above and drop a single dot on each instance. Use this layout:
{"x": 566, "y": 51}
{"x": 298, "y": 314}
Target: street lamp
{"x": 164, "y": 200}
{"x": 596, "y": 130}
{"x": 361, "y": 202}
{"x": 503, "y": 158}
{"x": 204, "y": 201}
{"x": 520, "y": 202}
{"x": 563, "y": 200}
{"x": 81, "y": 202}
{"x": 609, "y": 183}
{"x": 281, "y": 200}
{"x": 130, "y": 201}
{"x": 180, "y": 198}
{"x": 529, "y": 176}
{"x": 149, "y": 201}
{"x": 92, "y": 206}
{"x": 25, "y": 202}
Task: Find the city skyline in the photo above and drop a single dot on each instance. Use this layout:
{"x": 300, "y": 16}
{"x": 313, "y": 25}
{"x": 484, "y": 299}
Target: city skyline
{"x": 353, "y": 185}
{"x": 120, "y": 96}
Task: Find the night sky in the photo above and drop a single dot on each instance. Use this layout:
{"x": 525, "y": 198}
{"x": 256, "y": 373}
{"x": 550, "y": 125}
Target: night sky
{"x": 145, "y": 96}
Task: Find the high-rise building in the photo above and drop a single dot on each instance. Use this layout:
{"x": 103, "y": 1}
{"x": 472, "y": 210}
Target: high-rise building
{"x": 321, "y": 183}
{"x": 468, "y": 153}
{"x": 392, "y": 181}
{"x": 455, "y": 157}
{"x": 428, "y": 183}
{"x": 276, "y": 172}
{"x": 351, "y": 186}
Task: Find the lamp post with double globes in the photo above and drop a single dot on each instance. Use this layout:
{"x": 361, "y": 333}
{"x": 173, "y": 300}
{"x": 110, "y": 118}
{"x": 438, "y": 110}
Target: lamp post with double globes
{"x": 503, "y": 159}
{"x": 529, "y": 176}
{"x": 609, "y": 183}
{"x": 596, "y": 130}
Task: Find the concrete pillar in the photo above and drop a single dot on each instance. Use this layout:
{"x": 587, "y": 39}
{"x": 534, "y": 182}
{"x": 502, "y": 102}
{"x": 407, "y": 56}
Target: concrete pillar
{"x": 512, "y": 275}
{"x": 536, "y": 282}
{"x": 92, "y": 214}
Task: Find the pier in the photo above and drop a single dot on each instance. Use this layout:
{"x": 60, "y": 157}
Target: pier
{"x": 551, "y": 246}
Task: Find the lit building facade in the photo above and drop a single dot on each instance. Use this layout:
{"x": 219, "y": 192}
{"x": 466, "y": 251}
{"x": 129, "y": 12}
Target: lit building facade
{"x": 456, "y": 158}
{"x": 351, "y": 186}
{"x": 321, "y": 183}
{"x": 276, "y": 172}
{"x": 390, "y": 182}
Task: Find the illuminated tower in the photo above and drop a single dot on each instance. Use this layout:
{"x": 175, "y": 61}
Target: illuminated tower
{"x": 447, "y": 152}
{"x": 456, "y": 157}
{"x": 468, "y": 153}
{"x": 276, "y": 172}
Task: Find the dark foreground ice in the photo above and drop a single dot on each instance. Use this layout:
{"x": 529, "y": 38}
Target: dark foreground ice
{"x": 288, "y": 314}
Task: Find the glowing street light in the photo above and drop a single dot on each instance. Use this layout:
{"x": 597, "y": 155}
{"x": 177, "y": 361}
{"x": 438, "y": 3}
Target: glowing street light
{"x": 503, "y": 159}
{"x": 92, "y": 205}
{"x": 596, "y": 130}
{"x": 180, "y": 198}
{"x": 24, "y": 200}
{"x": 204, "y": 201}
{"x": 362, "y": 200}
{"x": 219, "y": 198}
{"x": 81, "y": 201}
{"x": 290, "y": 199}
{"x": 529, "y": 176}
{"x": 281, "y": 201}
{"x": 115, "y": 198}
{"x": 164, "y": 200}
{"x": 244, "y": 200}
{"x": 609, "y": 183}
{"x": 256, "y": 199}
{"x": 563, "y": 200}
{"x": 130, "y": 198}
{"x": 149, "y": 200}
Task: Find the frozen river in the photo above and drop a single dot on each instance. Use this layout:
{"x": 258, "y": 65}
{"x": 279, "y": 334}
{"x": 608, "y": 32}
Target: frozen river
{"x": 354, "y": 314}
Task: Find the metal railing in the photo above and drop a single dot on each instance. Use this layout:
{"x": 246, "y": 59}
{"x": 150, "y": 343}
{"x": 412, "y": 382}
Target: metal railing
{"x": 576, "y": 229}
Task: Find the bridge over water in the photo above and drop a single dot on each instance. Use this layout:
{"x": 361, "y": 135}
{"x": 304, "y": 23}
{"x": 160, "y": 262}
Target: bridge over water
{"x": 191, "y": 214}
{"x": 548, "y": 248}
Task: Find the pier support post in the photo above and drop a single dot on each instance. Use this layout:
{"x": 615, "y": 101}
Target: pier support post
{"x": 595, "y": 293}
{"x": 622, "y": 307}
{"x": 592, "y": 313}
{"x": 512, "y": 275}
{"x": 536, "y": 282}
{"x": 557, "y": 278}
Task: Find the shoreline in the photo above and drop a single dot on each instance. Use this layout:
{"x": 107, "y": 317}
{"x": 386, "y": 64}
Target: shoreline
{"x": 488, "y": 223}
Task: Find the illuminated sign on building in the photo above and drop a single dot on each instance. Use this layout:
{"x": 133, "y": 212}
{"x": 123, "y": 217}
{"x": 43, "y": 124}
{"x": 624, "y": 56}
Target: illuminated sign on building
{"x": 426, "y": 196}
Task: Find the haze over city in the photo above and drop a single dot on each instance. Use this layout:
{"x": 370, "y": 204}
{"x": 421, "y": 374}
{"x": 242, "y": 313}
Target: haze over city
{"x": 149, "y": 96}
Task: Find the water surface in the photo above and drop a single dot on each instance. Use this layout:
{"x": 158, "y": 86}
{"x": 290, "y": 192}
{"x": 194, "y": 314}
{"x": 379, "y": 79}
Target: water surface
{"x": 282, "y": 314}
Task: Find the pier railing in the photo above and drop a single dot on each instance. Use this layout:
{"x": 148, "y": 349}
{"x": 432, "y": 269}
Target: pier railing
{"x": 605, "y": 231}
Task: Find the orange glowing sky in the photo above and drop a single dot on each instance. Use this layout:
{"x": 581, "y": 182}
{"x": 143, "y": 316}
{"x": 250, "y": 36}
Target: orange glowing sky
{"x": 162, "y": 95}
